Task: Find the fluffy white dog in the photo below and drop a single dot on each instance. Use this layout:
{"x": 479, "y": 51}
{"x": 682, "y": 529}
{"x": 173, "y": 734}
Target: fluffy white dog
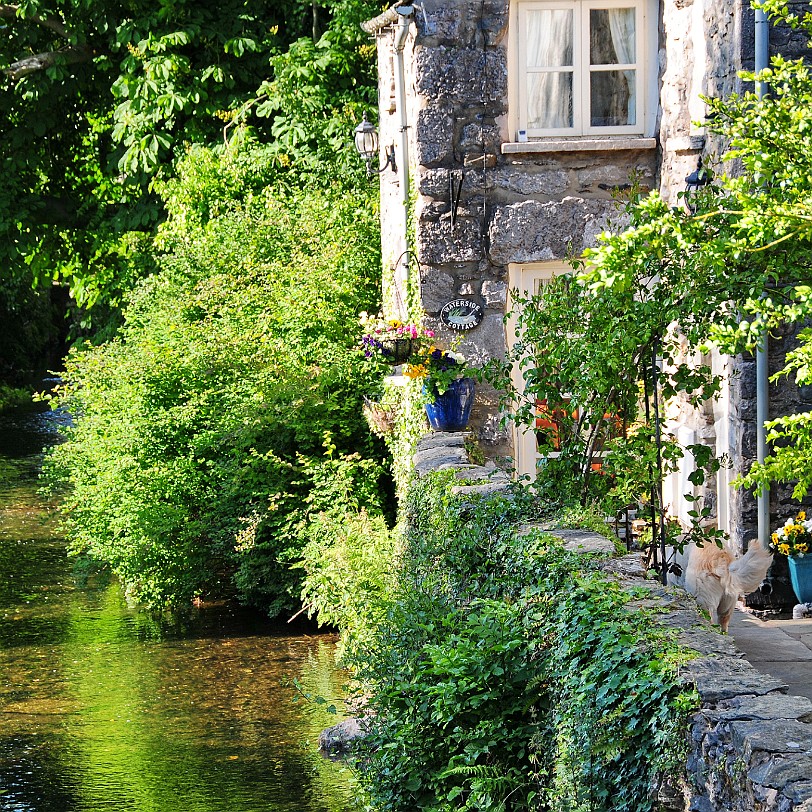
{"x": 716, "y": 578}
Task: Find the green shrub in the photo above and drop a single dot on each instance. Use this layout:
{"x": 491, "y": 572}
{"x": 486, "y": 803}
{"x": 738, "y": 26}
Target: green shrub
{"x": 508, "y": 674}
{"x": 11, "y": 396}
{"x": 348, "y": 563}
{"x": 227, "y": 410}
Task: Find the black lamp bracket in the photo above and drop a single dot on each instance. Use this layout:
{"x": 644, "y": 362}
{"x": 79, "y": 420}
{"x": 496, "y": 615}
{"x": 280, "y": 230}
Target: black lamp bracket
{"x": 390, "y": 161}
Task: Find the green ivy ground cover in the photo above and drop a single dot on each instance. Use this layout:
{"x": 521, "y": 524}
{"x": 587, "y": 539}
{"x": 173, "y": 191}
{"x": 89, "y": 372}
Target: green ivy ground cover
{"x": 504, "y": 673}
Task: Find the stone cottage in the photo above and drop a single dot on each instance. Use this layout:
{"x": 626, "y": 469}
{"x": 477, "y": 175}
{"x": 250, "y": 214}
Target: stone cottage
{"x": 511, "y": 123}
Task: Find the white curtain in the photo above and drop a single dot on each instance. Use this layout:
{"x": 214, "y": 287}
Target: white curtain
{"x": 622, "y": 27}
{"x": 549, "y": 45}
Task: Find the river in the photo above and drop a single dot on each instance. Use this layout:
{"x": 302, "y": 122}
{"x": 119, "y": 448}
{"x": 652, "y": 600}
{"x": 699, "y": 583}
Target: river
{"x": 103, "y": 707}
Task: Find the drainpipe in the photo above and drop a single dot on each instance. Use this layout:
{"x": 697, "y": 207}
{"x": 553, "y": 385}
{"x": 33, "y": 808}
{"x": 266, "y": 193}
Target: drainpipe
{"x": 762, "y": 46}
{"x": 404, "y": 19}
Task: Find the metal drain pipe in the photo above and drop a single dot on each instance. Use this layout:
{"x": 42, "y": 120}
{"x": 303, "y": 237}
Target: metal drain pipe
{"x": 762, "y": 48}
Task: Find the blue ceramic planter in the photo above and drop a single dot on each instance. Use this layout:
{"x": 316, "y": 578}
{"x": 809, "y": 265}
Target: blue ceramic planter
{"x": 451, "y": 410}
{"x": 800, "y": 571}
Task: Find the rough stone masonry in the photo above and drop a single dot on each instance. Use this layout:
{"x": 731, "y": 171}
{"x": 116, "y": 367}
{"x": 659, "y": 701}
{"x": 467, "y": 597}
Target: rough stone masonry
{"x": 750, "y": 747}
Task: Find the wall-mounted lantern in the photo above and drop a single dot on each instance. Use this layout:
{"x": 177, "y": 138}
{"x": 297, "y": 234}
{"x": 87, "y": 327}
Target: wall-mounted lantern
{"x": 701, "y": 176}
{"x": 366, "y": 142}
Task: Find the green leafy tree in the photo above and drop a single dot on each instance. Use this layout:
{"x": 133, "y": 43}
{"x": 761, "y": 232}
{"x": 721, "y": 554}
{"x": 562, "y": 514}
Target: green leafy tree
{"x": 96, "y": 99}
{"x": 227, "y": 409}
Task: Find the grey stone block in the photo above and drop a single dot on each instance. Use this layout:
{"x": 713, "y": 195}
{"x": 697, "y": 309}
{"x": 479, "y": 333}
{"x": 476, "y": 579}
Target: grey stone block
{"x": 527, "y": 182}
{"x": 443, "y": 439}
{"x": 481, "y": 489}
{"x": 494, "y": 293}
{"x": 443, "y": 75}
{"x": 584, "y": 541}
{"x": 780, "y": 770}
{"x": 771, "y": 736}
{"x": 439, "y": 243}
{"x": 436, "y": 459}
{"x": 771, "y": 706}
{"x": 718, "y": 678}
{"x": 800, "y": 792}
{"x": 435, "y": 131}
{"x": 341, "y": 738}
{"x": 532, "y": 231}
{"x": 436, "y": 289}
{"x": 628, "y": 566}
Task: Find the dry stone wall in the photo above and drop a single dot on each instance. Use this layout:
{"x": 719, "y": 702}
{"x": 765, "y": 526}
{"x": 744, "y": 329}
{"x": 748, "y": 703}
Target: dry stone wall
{"x": 749, "y": 743}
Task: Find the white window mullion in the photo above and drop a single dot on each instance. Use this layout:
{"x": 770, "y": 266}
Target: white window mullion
{"x": 581, "y": 60}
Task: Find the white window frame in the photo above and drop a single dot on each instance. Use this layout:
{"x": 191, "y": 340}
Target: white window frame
{"x": 645, "y": 52}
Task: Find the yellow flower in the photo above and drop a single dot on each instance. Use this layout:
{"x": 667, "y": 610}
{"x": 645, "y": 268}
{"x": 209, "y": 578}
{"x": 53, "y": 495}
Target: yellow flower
{"x": 775, "y": 538}
{"x": 783, "y": 549}
{"x": 802, "y": 547}
{"x": 801, "y": 515}
{"x": 414, "y": 371}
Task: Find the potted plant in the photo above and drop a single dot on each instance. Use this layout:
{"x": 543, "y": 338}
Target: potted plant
{"x": 449, "y": 393}
{"x": 794, "y": 540}
{"x": 390, "y": 340}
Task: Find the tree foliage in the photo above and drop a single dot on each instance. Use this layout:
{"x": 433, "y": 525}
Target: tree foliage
{"x": 227, "y": 410}
{"x": 97, "y": 99}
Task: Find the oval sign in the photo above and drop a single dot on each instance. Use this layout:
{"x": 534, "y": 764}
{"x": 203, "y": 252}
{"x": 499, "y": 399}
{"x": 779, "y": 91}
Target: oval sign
{"x": 461, "y": 314}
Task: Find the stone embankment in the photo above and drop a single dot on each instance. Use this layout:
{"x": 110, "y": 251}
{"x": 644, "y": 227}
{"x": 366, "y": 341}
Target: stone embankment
{"x": 750, "y": 743}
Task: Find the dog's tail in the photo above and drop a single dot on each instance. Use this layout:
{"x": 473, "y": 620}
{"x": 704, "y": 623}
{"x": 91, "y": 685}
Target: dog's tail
{"x": 747, "y": 572}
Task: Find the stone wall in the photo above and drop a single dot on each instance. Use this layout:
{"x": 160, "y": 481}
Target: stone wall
{"x": 477, "y": 209}
{"x": 482, "y": 203}
{"x": 749, "y": 744}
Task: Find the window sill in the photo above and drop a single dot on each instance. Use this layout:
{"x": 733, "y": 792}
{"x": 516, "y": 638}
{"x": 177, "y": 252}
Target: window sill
{"x": 606, "y": 144}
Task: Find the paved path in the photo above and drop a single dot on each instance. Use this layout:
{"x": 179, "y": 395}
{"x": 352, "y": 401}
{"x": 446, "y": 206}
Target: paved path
{"x": 780, "y": 648}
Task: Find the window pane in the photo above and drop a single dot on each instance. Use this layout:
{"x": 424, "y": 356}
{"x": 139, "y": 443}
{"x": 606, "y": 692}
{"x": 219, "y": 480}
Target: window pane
{"x": 611, "y": 36}
{"x": 549, "y": 38}
{"x": 549, "y": 100}
{"x": 613, "y": 98}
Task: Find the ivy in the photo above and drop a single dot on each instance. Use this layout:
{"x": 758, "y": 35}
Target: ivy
{"x": 506, "y": 673}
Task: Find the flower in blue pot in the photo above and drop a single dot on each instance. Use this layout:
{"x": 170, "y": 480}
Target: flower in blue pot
{"x": 449, "y": 392}
{"x": 794, "y": 540}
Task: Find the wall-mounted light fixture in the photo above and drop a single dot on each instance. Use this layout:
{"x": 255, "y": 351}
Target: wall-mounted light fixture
{"x": 701, "y": 176}
{"x": 366, "y": 142}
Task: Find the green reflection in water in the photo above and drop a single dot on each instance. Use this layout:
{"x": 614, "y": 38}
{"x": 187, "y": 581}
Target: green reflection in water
{"x": 102, "y": 707}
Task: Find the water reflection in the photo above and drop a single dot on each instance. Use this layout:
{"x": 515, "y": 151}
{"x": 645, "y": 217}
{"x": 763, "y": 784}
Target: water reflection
{"x": 105, "y": 708}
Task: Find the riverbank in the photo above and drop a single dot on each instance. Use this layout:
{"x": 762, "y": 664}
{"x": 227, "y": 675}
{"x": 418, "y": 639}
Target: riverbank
{"x": 105, "y": 707}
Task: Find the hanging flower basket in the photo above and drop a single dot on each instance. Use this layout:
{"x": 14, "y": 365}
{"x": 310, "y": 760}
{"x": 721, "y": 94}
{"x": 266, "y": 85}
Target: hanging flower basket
{"x": 390, "y": 340}
{"x": 397, "y": 350}
{"x": 379, "y": 416}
